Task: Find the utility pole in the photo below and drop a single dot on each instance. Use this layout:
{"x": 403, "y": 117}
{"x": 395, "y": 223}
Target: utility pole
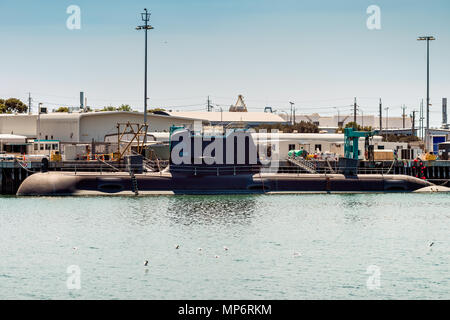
{"x": 354, "y": 116}
{"x": 38, "y": 133}
{"x": 427, "y": 39}
{"x": 387, "y": 119}
{"x": 339, "y": 116}
{"x": 362, "y": 117}
{"x": 404, "y": 116}
{"x": 421, "y": 120}
{"x": 292, "y": 118}
{"x": 29, "y": 102}
{"x": 146, "y": 18}
{"x": 381, "y": 116}
{"x": 413, "y": 126}
{"x": 209, "y": 105}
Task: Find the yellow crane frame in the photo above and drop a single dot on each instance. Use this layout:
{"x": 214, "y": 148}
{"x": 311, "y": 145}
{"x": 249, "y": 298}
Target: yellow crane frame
{"x": 138, "y": 130}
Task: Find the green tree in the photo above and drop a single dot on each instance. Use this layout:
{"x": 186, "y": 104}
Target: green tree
{"x": 2, "y": 106}
{"x": 12, "y": 105}
{"x": 62, "y": 109}
{"x": 400, "y": 138}
{"x": 358, "y": 127}
{"x": 301, "y": 127}
{"x": 156, "y": 110}
{"x": 125, "y": 107}
{"x": 108, "y": 108}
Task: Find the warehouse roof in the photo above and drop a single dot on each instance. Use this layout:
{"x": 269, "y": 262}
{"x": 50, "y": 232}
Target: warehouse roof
{"x": 253, "y": 117}
{"x": 79, "y": 115}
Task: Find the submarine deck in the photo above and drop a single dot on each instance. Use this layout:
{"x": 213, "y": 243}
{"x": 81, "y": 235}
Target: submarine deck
{"x": 164, "y": 183}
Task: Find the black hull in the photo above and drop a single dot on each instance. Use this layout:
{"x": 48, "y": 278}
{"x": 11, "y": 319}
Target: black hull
{"x": 82, "y": 184}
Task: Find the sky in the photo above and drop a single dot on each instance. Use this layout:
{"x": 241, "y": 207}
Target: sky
{"x": 318, "y": 54}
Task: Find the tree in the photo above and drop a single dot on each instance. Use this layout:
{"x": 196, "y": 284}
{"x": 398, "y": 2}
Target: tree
{"x": 62, "y": 109}
{"x": 400, "y": 138}
{"x": 156, "y": 110}
{"x": 302, "y": 127}
{"x": 108, "y": 108}
{"x": 125, "y": 107}
{"x": 12, "y": 105}
{"x": 2, "y": 106}
{"x": 358, "y": 127}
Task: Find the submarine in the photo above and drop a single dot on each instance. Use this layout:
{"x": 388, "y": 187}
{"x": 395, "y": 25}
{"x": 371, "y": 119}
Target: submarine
{"x": 228, "y": 163}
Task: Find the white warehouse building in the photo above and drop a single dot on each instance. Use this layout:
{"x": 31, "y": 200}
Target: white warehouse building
{"x": 82, "y": 127}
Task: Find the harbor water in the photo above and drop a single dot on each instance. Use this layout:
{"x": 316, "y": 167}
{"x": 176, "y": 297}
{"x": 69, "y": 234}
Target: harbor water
{"x": 364, "y": 246}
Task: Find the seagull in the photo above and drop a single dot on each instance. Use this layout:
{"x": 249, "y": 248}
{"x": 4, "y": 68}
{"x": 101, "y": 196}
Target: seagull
{"x": 146, "y": 263}
{"x": 217, "y": 257}
{"x": 431, "y": 244}
{"x": 200, "y": 249}
{"x": 225, "y": 248}
{"x": 297, "y": 254}
{"x": 75, "y": 248}
{"x": 177, "y": 247}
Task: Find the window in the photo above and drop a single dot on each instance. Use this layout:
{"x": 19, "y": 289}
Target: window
{"x": 35, "y": 147}
{"x": 55, "y": 146}
{"x": 291, "y": 147}
{"x": 47, "y": 146}
{"x": 380, "y": 147}
{"x": 318, "y": 147}
{"x": 46, "y": 137}
{"x": 341, "y": 124}
{"x": 42, "y": 147}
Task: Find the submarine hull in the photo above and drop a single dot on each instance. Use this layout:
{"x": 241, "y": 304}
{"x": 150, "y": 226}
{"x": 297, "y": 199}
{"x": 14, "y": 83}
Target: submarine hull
{"x": 121, "y": 184}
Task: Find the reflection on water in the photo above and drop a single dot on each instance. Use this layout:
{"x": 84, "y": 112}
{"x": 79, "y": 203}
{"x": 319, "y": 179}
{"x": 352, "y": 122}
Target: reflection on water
{"x": 188, "y": 210}
{"x": 337, "y": 238}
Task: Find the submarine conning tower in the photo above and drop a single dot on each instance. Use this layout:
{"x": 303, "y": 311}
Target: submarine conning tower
{"x": 228, "y": 153}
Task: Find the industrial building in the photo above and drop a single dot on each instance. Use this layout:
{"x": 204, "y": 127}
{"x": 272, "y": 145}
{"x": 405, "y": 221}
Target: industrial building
{"x": 247, "y": 119}
{"x": 83, "y": 126}
{"x": 336, "y": 121}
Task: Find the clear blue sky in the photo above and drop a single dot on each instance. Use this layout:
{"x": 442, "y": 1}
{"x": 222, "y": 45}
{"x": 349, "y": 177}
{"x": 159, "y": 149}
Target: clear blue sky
{"x": 318, "y": 54}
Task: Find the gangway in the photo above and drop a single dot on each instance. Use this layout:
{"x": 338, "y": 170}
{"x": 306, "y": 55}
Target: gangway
{"x": 304, "y": 164}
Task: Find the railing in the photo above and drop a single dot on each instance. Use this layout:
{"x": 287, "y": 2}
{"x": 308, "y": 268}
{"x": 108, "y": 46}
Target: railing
{"x": 441, "y": 172}
{"x": 306, "y": 165}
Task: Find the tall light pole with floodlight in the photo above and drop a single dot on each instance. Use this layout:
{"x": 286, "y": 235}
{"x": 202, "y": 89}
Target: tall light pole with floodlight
{"x": 427, "y": 39}
{"x": 146, "y": 18}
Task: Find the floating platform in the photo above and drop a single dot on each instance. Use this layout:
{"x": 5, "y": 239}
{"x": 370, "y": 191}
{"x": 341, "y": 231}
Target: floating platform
{"x": 163, "y": 183}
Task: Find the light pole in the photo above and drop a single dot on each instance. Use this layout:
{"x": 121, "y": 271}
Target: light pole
{"x": 292, "y": 118}
{"x": 339, "y": 116}
{"x": 287, "y": 115}
{"x": 146, "y": 18}
{"x": 362, "y": 118}
{"x": 387, "y": 119}
{"x": 427, "y": 39}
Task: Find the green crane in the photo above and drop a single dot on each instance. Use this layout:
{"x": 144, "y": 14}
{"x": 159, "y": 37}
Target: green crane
{"x": 351, "y": 142}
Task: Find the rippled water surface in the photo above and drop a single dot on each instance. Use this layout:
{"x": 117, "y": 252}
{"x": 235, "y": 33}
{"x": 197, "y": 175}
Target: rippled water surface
{"x": 279, "y": 247}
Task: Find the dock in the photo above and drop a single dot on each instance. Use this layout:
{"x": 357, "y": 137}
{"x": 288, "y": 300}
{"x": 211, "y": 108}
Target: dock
{"x": 13, "y": 173}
